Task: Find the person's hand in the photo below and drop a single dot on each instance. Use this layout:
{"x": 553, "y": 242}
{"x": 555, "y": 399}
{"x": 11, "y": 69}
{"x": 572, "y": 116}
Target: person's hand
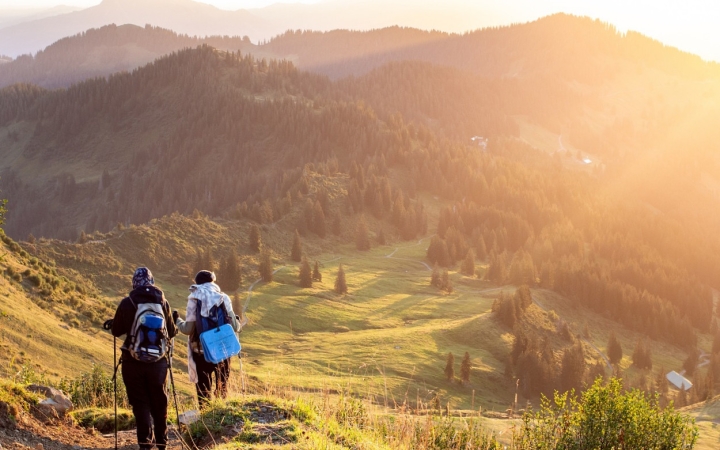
{"x": 175, "y": 315}
{"x": 108, "y": 324}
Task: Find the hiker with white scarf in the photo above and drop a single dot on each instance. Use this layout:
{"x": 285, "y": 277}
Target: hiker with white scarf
{"x": 200, "y": 371}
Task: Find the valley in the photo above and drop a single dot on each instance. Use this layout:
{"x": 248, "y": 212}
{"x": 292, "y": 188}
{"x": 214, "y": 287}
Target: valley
{"x": 584, "y": 222}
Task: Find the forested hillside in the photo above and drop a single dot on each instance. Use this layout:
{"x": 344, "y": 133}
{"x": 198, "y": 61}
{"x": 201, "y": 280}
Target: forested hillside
{"x": 231, "y": 135}
{"x": 104, "y": 51}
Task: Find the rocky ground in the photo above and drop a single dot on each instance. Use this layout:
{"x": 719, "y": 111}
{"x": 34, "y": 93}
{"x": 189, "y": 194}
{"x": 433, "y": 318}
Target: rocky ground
{"x": 29, "y": 432}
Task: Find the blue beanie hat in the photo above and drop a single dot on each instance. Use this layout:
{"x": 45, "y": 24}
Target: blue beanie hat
{"x": 142, "y": 277}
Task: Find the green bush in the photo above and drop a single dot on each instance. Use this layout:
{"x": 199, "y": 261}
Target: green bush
{"x": 103, "y": 419}
{"x": 94, "y": 389}
{"x": 605, "y": 418}
{"x": 35, "y": 279}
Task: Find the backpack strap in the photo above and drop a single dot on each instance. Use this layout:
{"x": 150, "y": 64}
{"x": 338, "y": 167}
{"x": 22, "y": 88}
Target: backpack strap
{"x": 132, "y": 302}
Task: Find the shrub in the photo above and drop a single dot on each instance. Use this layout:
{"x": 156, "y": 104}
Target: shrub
{"x": 35, "y": 279}
{"x": 94, "y": 389}
{"x": 604, "y": 418}
{"x": 103, "y": 419}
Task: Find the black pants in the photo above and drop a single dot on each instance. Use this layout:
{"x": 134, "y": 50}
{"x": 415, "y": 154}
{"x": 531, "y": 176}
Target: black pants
{"x": 146, "y": 385}
{"x": 205, "y": 370}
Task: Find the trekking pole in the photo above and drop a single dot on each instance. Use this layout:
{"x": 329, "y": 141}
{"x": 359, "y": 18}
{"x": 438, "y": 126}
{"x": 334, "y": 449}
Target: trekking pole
{"x": 115, "y": 388}
{"x": 108, "y": 326}
{"x": 172, "y": 383}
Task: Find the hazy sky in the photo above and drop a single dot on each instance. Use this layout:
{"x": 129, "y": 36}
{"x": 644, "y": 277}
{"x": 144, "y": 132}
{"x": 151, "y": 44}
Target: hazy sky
{"x": 690, "y": 25}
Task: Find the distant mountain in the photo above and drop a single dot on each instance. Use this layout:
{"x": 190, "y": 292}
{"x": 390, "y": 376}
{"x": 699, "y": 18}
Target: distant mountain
{"x": 448, "y": 15}
{"x": 103, "y": 51}
{"x": 182, "y": 16}
{"x": 574, "y": 48}
{"x": 14, "y": 16}
{"x": 260, "y": 24}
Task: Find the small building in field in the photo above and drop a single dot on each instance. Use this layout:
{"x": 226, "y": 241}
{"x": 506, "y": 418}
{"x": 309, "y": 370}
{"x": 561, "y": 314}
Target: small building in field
{"x": 678, "y": 381}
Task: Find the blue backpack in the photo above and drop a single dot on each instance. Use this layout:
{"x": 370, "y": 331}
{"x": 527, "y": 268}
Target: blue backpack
{"x": 218, "y": 340}
{"x": 217, "y": 317}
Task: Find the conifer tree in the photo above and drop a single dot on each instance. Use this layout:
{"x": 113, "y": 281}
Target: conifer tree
{"x": 572, "y": 368}
{"x": 481, "y": 249}
{"x": 468, "y": 264}
{"x": 205, "y": 261}
{"x": 641, "y": 356}
{"x": 437, "y": 252}
{"x": 381, "y": 237}
{"x": 691, "y": 362}
{"x": 340, "y": 283}
{"x": 318, "y": 220}
{"x": 230, "y": 276}
{"x": 255, "y": 239}
{"x": 266, "y": 266}
{"x": 316, "y": 275}
{"x": 305, "y": 275}
{"x": 435, "y": 277}
{"x": 614, "y": 350}
{"x": 198, "y": 265}
{"x": 296, "y": 252}
{"x": 446, "y": 284}
{"x": 450, "y": 367}
{"x": 336, "y": 225}
{"x": 362, "y": 235}
{"x": 523, "y": 297}
{"x": 237, "y": 305}
{"x": 465, "y": 368}
{"x": 661, "y": 382}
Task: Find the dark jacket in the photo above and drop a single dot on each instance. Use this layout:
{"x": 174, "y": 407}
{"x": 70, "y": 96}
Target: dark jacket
{"x": 125, "y": 314}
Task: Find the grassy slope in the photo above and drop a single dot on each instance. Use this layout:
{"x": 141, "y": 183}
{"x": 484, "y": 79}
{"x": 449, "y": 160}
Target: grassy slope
{"x": 387, "y": 339}
{"x": 47, "y": 337}
{"x": 706, "y": 415}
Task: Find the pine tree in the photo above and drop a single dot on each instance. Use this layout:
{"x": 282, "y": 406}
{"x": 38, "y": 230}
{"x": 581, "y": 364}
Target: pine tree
{"x": 296, "y": 252}
{"x": 198, "y": 265}
{"x": 305, "y": 275}
{"x": 435, "y": 277}
{"x": 336, "y": 225}
{"x": 266, "y": 266}
{"x": 614, "y": 350}
{"x": 255, "y": 239}
{"x": 237, "y": 304}
{"x": 445, "y": 283}
{"x": 481, "y": 249}
{"x": 465, "y": 368}
{"x": 316, "y": 275}
{"x": 437, "y": 252}
{"x": 362, "y": 235}
{"x": 340, "y": 283}
{"x": 661, "y": 382}
{"x": 572, "y": 368}
{"x": 468, "y": 264}
{"x": 206, "y": 261}
{"x": 641, "y": 356}
{"x": 230, "y": 276}
{"x": 450, "y": 367}
{"x": 691, "y": 362}
{"x": 381, "y": 237}
{"x": 318, "y": 220}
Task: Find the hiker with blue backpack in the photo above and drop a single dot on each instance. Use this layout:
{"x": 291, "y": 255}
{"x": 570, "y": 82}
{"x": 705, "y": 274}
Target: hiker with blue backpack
{"x": 144, "y": 317}
{"x": 211, "y": 324}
